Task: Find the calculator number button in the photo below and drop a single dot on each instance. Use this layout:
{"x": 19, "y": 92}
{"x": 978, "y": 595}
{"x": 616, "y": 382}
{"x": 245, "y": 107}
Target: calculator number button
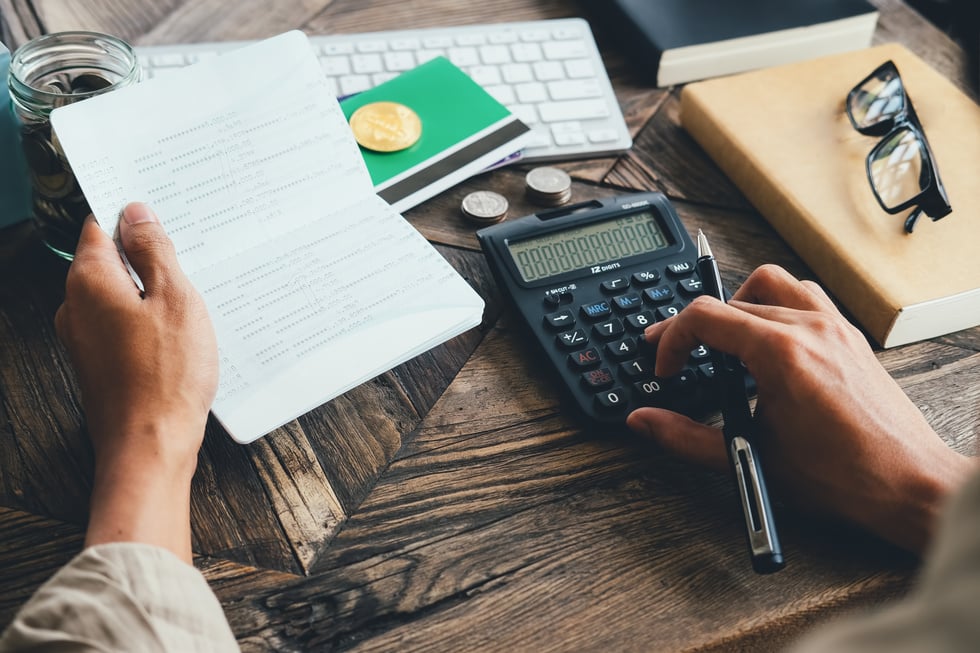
{"x": 625, "y": 348}
{"x": 659, "y": 295}
{"x": 611, "y": 400}
{"x": 689, "y": 287}
{"x": 681, "y": 269}
{"x": 700, "y": 354}
{"x": 596, "y": 310}
{"x": 598, "y": 379}
{"x": 573, "y": 339}
{"x": 615, "y": 285}
{"x": 560, "y": 320}
{"x": 646, "y": 278}
{"x": 610, "y": 329}
{"x": 636, "y": 369}
{"x": 684, "y": 381}
{"x": 665, "y": 312}
{"x": 651, "y": 392}
{"x": 640, "y": 321}
{"x": 583, "y": 360}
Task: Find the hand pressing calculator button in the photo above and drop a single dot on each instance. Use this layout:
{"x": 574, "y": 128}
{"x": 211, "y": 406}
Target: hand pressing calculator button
{"x": 587, "y": 280}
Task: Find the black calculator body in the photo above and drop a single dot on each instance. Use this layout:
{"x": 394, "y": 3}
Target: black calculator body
{"x": 587, "y": 280}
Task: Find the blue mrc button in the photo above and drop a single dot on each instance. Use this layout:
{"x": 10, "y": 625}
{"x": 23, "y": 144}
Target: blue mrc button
{"x": 596, "y": 309}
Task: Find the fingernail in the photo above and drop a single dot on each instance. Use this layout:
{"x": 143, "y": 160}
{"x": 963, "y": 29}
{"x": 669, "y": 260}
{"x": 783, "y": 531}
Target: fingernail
{"x": 138, "y": 212}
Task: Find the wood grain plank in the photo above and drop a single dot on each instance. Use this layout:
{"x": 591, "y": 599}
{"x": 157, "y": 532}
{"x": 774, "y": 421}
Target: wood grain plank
{"x": 127, "y": 19}
{"x": 19, "y": 22}
{"x": 300, "y": 493}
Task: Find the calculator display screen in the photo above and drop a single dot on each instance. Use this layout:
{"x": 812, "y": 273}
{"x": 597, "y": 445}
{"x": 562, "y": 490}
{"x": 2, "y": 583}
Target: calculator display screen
{"x": 588, "y": 245}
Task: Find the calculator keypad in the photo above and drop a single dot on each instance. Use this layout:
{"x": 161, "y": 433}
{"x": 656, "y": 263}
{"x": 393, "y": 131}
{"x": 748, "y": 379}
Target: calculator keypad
{"x": 612, "y": 363}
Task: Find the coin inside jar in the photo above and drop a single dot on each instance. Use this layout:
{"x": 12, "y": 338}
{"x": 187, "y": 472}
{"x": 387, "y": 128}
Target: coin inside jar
{"x": 484, "y": 207}
{"x": 386, "y": 126}
{"x": 548, "y": 186}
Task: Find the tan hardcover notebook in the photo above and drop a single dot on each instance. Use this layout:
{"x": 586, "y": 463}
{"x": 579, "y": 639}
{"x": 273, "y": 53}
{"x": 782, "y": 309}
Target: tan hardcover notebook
{"x": 782, "y": 136}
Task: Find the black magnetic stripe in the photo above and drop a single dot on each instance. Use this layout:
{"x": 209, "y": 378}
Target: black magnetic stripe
{"x": 453, "y": 162}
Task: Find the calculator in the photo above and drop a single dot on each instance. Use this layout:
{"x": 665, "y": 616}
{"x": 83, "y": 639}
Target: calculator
{"x": 587, "y": 279}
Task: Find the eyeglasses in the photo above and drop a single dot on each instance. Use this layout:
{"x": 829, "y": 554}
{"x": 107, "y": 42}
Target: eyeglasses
{"x": 901, "y": 168}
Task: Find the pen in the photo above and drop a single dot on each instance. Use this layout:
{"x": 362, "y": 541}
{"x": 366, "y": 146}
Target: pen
{"x": 739, "y": 430}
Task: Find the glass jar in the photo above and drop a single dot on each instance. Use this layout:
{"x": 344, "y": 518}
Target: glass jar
{"x": 45, "y": 73}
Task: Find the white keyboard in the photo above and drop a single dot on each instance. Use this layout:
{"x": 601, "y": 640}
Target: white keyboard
{"x": 548, "y": 73}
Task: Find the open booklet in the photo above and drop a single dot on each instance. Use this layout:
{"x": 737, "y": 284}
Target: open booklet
{"x": 313, "y": 283}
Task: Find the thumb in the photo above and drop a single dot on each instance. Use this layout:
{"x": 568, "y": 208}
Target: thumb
{"x": 681, "y": 436}
{"x": 148, "y": 247}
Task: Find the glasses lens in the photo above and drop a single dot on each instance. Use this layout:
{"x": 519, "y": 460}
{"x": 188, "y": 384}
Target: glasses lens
{"x": 899, "y": 168}
{"x": 877, "y": 100}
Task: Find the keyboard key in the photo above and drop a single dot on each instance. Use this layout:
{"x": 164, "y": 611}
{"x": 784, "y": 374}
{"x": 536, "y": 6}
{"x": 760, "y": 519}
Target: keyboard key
{"x": 615, "y": 285}
{"x": 526, "y": 52}
{"x": 574, "y": 89}
{"x": 564, "y": 50}
{"x": 495, "y": 54}
{"x": 569, "y": 139}
{"x": 502, "y": 93}
{"x": 526, "y": 113}
{"x": 659, "y": 295}
{"x": 579, "y": 68}
{"x": 573, "y": 110}
{"x": 426, "y": 55}
{"x": 337, "y": 48}
{"x": 406, "y": 44}
{"x": 680, "y": 269}
{"x": 463, "y": 57}
{"x": 700, "y": 353}
{"x": 517, "y": 73}
{"x": 381, "y": 78}
{"x": 535, "y": 35}
{"x": 506, "y": 36}
{"x": 652, "y": 392}
{"x": 366, "y": 63}
{"x": 371, "y": 46}
{"x": 335, "y": 66}
{"x": 531, "y": 92}
{"x": 399, "y": 61}
{"x": 354, "y": 84}
{"x": 602, "y": 136}
{"x": 485, "y": 75}
{"x": 471, "y": 38}
{"x": 627, "y": 303}
{"x": 546, "y": 71}
{"x": 437, "y": 42}
{"x": 646, "y": 278}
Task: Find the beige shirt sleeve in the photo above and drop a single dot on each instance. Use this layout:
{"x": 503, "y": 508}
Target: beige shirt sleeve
{"x": 942, "y": 613}
{"x": 122, "y": 597}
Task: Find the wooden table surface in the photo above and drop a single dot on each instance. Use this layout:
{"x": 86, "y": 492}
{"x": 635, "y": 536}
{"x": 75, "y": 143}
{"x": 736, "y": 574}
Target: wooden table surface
{"x": 451, "y": 504}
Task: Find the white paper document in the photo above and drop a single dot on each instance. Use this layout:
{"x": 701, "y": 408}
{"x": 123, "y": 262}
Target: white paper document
{"x": 313, "y": 283}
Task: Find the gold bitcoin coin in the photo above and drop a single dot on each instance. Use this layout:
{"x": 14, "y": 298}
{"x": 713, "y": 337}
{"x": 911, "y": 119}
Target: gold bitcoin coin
{"x": 386, "y": 126}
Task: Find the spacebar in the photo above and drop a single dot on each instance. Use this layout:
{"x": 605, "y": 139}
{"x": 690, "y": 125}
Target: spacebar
{"x": 575, "y": 110}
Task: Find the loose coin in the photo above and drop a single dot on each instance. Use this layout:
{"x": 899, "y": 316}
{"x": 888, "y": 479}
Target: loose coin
{"x": 89, "y": 83}
{"x": 484, "y": 206}
{"x": 386, "y": 126}
{"x": 548, "y": 186}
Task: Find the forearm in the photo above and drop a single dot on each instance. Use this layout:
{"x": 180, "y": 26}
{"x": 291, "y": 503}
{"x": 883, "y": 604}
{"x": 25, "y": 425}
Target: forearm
{"x": 142, "y": 497}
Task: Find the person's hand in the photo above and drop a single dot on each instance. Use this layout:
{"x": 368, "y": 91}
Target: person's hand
{"x": 147, "y": 365}
{"x": 837, "y": 434}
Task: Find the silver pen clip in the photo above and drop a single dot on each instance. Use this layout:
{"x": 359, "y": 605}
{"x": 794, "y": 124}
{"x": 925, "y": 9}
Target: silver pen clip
{"x": 750, "y": 493}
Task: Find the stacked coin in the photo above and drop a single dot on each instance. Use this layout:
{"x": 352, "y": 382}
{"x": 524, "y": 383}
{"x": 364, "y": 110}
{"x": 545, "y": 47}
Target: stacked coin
{"x": 548, "y": 186}
{"x": 484, "y": 207}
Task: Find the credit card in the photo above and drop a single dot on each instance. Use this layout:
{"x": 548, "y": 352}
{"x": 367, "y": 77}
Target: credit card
{"x": 464, "y": 131}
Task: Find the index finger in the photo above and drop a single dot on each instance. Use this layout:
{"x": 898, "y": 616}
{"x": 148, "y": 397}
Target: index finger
{"x": 774, "y": 286}
{"x": 707, "y": 321}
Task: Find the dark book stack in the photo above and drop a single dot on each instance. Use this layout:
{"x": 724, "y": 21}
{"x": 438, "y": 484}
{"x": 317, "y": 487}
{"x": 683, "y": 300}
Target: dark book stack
{"x": 677, "y": 41}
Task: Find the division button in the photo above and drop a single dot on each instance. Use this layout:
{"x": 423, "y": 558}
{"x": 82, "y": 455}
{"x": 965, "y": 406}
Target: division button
{"x": 690, "y": 287}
